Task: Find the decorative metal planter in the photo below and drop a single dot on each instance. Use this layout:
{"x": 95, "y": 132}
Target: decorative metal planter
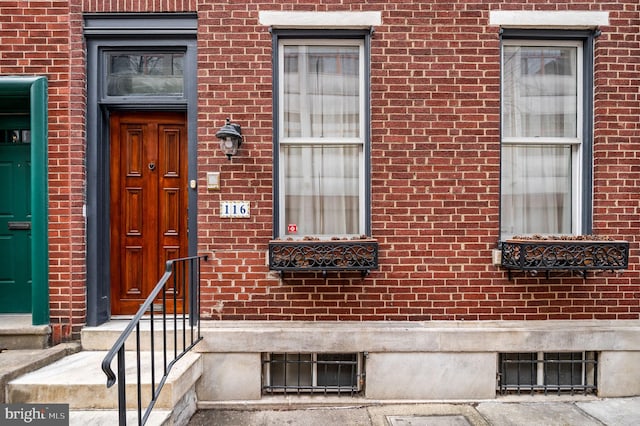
{"x": 567, "y": 255}
{"x": 323, "y": 256}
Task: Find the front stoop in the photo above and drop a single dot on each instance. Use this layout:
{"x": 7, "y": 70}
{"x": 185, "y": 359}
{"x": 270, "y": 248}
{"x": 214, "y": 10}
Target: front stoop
{"x": 78, "y": 380}
{"x": 16, "y": 362}
{"x": 16, "y": 332}
{"x": 102, "y": 337}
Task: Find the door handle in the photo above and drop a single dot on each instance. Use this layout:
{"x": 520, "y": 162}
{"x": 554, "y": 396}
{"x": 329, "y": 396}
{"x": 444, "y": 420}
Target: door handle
{"x": 152, "y": 166}
{"x": 22, "y": 226}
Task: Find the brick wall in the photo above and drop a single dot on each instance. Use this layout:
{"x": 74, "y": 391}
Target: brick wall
{"x": 45, "y": 38}
{"x": 435, "y": 70}
{"x": 435, "y": 159}
{"x": 128, "y": 6}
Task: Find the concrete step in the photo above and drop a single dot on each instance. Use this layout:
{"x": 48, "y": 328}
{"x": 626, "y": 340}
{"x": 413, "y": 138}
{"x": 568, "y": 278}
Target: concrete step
{"x": 16, "y": 332}
{"x": 78, "y": 380}
{"x": 102, "y": 337}
{"x": 16, "y": 362}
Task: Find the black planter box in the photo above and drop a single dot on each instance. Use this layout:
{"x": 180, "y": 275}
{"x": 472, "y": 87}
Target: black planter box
{"x": 323, "y": 256}
{"x": 566, "y": 255}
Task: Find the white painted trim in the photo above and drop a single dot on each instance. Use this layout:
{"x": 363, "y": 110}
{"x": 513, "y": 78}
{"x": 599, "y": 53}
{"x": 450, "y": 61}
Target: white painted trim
{"x": 303, "y": 20}
{"x": 548, "y": 19}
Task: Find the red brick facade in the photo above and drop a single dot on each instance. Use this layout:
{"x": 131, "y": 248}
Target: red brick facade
{"x": 435, "y": 156}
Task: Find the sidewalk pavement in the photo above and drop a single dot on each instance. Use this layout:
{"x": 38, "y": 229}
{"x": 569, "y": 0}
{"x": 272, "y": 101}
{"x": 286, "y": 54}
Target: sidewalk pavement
{"x": 508, "y": 411}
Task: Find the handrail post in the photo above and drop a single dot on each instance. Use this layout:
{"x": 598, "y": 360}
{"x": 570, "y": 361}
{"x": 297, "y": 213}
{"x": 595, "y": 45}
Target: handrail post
{"x": 122, "y": 389}
{"x": 193, "y": 292}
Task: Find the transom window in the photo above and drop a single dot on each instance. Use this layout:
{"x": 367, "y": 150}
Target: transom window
{"x": 545, "y": 131}
{"x": 144, "y": 73}
{"x": 321, "y": 137}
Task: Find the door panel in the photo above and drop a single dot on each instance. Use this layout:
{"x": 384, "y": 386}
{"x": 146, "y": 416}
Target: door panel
{"x": 148, "y": 202}
{"x": 15, "y": 229}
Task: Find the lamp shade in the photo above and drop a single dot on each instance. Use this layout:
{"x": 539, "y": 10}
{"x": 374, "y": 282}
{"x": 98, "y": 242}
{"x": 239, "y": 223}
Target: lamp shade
{"x": 230, "y": 136}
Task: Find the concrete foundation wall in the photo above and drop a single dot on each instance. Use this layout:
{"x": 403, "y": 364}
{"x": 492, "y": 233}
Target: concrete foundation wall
{"x": 233, "y": 376}
{"x": 415, "y": 361}
{"x": 619, "y": 374}
{"x": 411, "y": 376}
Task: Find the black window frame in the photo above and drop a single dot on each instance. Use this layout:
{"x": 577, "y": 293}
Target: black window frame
{"x": 587, "y": 38}
{"x": 365, "y": 36}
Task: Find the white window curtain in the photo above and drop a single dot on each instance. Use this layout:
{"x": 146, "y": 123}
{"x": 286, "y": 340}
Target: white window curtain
{"x": 540, "y": 98}
{"x": 321, "y": 92}
{"x": 321, "y": 148}
{"x": 536, "y": 190}
{"x": 322, "y": 189}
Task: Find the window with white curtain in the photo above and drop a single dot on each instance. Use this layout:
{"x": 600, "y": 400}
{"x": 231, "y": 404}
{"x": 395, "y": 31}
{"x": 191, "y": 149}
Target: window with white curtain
{"x": 321, "y": 137}
{"x": 543, "y": 137}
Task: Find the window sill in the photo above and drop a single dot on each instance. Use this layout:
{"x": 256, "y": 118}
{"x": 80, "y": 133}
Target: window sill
{"x": 323, "y": 256}
{"x": 571, "y": 254}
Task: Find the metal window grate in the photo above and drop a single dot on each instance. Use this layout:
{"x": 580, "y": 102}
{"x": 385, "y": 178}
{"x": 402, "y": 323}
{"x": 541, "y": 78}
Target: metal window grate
{"x": 300, "y": 373}
{"x": 557, "y": 372}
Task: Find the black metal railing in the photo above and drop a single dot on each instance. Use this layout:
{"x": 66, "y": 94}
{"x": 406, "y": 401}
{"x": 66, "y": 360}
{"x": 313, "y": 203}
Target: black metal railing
{"x": 177, "y": 295}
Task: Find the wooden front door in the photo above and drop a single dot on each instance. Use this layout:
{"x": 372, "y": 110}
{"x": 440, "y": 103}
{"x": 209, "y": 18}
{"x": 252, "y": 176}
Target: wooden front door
{"x": 148, "y": 203}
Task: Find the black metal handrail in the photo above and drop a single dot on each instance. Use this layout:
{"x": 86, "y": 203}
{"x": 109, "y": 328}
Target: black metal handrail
{"x": 180, "y": 274}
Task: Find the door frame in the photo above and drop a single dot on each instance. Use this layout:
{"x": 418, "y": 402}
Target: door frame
{"x": 34, "y": 89}
{"x": 172, "y": 32}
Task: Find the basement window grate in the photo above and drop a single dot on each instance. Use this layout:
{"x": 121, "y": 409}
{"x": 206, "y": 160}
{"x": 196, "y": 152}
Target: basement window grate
{"x": 548, "y": 372}
{"x": 305, "y": 373}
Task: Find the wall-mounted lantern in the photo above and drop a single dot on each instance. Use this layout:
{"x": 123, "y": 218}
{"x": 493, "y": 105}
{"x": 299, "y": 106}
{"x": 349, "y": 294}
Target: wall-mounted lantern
{"x": 230, "y": 136}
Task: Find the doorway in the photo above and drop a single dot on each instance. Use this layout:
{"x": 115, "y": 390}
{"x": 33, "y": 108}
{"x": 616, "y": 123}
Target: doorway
{"x": 15, "y": 221}
{"x": 148, "y": 202}
{"x": 24, "y": 243}
{"x": 118, "y": 90}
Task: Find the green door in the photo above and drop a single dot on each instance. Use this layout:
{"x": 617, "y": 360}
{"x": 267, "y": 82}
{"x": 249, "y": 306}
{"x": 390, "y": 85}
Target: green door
{"x": 15, "y": 225}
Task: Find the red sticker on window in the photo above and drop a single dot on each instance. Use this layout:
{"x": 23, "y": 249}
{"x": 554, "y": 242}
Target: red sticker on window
{"x": 292, "y": 228}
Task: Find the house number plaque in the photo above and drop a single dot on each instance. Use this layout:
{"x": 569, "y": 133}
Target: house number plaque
{"x": 234, "y": 209}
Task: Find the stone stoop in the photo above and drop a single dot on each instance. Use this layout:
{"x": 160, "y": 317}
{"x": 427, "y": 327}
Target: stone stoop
{"x": 78, "y": 380}
{"x": 16, "y": 332}
{"x": 102, "y": 337}
{"x": 16, "y": 362}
